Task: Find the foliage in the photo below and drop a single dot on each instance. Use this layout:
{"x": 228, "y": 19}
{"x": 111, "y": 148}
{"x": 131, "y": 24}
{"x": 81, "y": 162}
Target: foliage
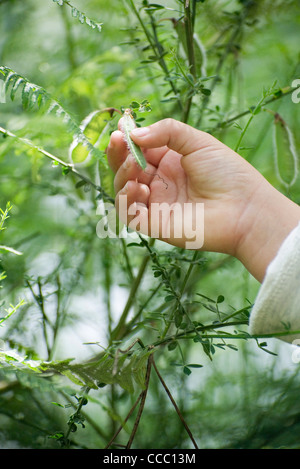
{"x": 170, "y": 324}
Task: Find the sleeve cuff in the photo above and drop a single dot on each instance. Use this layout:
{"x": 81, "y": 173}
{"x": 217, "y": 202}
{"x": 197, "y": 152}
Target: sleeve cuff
{"x": 277, "y": 306}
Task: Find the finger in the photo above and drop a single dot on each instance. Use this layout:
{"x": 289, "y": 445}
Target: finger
{"x": 116, "y": 151}
{"x": 130, "y": 170}
{"x": 131, "y": 204}
{"x": 134, "y": 192}
{"x": 154, "y": 155}
{"x": 173, "y": 134}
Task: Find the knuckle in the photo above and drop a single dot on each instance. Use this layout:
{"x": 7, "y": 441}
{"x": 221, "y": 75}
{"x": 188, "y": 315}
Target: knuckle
{"x": 169, "y": 122}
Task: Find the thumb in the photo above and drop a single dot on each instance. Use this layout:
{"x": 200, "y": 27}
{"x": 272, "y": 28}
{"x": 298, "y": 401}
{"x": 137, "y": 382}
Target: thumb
{"x": 174, "y": 134}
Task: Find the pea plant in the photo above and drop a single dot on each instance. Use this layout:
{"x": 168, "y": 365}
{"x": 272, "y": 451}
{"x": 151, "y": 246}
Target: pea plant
{"x": 187, "y": 55}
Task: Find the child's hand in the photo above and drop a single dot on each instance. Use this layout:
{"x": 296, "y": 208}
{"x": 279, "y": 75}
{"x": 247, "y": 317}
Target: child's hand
{"x": 243, "y": 214}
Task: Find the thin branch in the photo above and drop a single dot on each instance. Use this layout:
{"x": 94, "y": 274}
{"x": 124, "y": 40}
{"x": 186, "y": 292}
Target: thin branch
{"x": 87, "y": 418}
{"x": 142, "y": 404}
{"x": 126, "y": 419}
{"x": 157, "y": 50}
{"x": 117, "y": 333}
{"x": 283, "y": 93}
{"x": 189, "y": 33}
{"x": 58, "y": 314}
{"x": 228, "y": 49}
{"x": 188, "y": 273}
{"x": 69, "y": 39}
{"x": 175, "y": 405}
{"x": 187, "y": 333}
{"x": 39, "y": 299}
{"x": 219, "y": 66}
{"x": 255, "y": 110}
{"x": 60, "y": 162}
{"x": 77, "y": 413}
{"x": 141, "y": 309}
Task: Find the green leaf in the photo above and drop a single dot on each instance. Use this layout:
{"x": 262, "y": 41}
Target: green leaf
{"x": 178, "y": 315}
{"x": 34, "y": 95}
{"x": 59, "y": 405}
{"x": 172, "y": 345}
{"x": 123, "y": 370}
{"x": 170, "y": 298}
{"x": 206, "y": 91}
{"x": 186, "y": 370}
{"x": 80, "y": 184}
{"x": 80, "y": 15}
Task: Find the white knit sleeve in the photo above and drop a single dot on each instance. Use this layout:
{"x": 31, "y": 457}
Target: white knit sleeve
{"x": 277, "y": 306}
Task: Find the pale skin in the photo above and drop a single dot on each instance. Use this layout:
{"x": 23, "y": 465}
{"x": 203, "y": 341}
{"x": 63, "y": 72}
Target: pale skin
{"x": 244, "y": 215}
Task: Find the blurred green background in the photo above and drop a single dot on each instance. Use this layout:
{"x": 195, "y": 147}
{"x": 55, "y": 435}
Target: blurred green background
{"x": 241, "y": 399}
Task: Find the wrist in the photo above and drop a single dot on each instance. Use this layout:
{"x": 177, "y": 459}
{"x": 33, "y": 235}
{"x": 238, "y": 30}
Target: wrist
{"x": 270, "y": 219}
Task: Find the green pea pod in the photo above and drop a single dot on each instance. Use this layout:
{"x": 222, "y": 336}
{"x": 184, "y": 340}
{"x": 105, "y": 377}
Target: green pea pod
{"x": 285, "y": 155}
{"x": 128, "y": 124}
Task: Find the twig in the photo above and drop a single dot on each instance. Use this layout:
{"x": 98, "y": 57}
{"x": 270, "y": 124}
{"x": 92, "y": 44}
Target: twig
{"x": 157, "y": 50}
{"x": 188, "y": 273}
{"x": 117, "y": 332}
{"x": 39, "y": 299}
{"x": 284, "y": 92}
{"x": 186, "y": 334}
{"x": 60, "y": 162}
{"x": 58, "y": 313}
{"x": 189, "y": 33}
{"x": 228, "y": 48}
{"x": 143, "y": 306}
{"x": 219, "y": 66}
{"x": 168, "y": 285}
{"x": 142, "y": 404}
{"x": 126, "y": 419}
{"x": 69, "y": 39}
{"x": 76, "y": 414}
{"x": 175, "y": 405}
{"x": 87, "y": 418}
{"x": 254, "y": 111}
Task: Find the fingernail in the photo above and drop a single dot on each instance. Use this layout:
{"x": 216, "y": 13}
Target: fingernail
{"x": 140, "y": 131}
{"x": 125, "y": 188}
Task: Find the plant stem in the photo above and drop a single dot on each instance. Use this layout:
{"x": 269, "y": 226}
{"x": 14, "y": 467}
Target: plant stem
{"x": 60, "y": 162}
{"x": 39, "y": 299}
{"x": 188, "y": 273}
{"x": 87, "y": 418}
{"x": 69, "y": 39}
{"x": 77, "y": 413}
{"x": 175, "y": 405}
{"x": 136, "y": 317}
{"x": 126, "y": 419}
{"x": 157, "y": 50}
{"x": 186, "y": 334}
{"x": 284, "y": 92}
{"x": 58, "y": 314}
{"x": 119, "y": 329}
{"x": 228, "y": 48}
{"x": 189, "y": 33}
{"x": 169, "y": 287}
{"x": 142, "y": 403}
{"x": 237, "y": 147}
